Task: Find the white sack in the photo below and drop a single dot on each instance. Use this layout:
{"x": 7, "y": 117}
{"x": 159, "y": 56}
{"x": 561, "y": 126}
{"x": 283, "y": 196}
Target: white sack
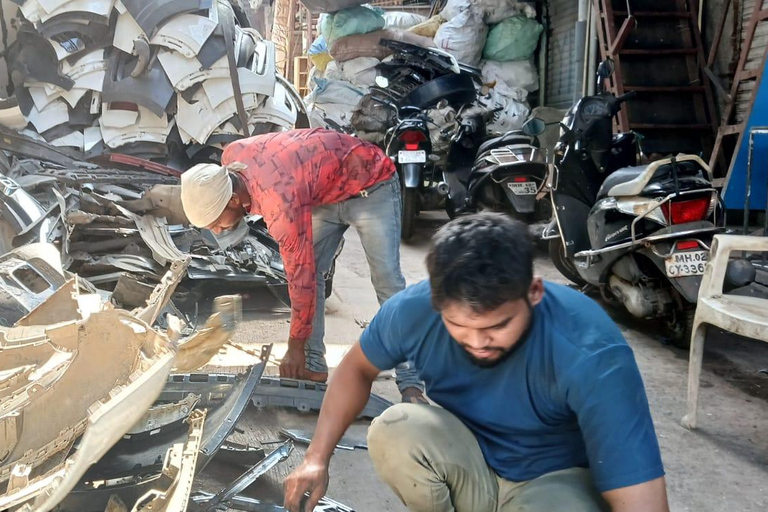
{"x": 463, "y": 37}
{"x": 360, "y": 71}
{"x": 520, "y": 74}
{"x": 511, "y": 117}
{"x": 492, "y": 11}
{"x": 333, "y": 99}
{"x": 402, "y": 20}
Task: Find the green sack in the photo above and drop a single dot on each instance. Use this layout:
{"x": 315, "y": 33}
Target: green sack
{"x": 513, "y": 39}
{"x": 352, "y": 21}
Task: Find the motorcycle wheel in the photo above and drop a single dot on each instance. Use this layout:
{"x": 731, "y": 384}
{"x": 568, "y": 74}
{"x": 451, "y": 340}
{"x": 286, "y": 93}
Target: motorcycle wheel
{"x": 410, "y": 208}
{"x": 562, "y": 263}
{"x": 680, "y": 325}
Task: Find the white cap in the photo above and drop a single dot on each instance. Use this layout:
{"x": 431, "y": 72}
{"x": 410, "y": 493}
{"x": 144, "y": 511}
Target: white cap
{"x": 205, "y": 191}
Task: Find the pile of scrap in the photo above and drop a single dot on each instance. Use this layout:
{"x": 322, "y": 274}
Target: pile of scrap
{"x": 98, "y": 408}
{"x": 121, "y": 229}
{"x": 167, "y": 81}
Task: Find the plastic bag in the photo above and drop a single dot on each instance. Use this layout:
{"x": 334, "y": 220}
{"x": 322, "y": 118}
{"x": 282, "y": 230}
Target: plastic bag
{"x": 402, "y": 20}
{"x": 429, "y": 27}
{"x": 360, "y": 71}
{"x": 511, "y": 117}
{"x": 320, "y": 60}
{"x": 496, "y": 11}
{"x": 455, "y": 7}
{"x": 348, "y": 22}
{"x": 515, "y": 38}
{"x": 334, "y": 100}
{"x": 463, "y": 37}
{"x": 319, "y": 45}
{"x": 316, "y": 6}
{"x": 520, "y": 74}
{"x": 367, "y": 45}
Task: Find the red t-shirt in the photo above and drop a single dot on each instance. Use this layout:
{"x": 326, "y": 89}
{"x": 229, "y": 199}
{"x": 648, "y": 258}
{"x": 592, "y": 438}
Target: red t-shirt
{"x": 290, "y": 172}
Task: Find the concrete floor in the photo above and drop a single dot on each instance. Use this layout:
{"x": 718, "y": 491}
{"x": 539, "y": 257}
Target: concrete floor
{"x": 722, "y": 466}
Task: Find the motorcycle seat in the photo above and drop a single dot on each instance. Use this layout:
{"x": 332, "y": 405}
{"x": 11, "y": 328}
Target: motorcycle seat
{"x": 504, "y": 140}
{"x": 630, "y": 181}
{"x": 618, "y": 177}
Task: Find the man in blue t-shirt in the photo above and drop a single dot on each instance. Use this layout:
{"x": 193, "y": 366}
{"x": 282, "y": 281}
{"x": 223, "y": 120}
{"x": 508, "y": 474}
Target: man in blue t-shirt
{"x": 542, "y": 407}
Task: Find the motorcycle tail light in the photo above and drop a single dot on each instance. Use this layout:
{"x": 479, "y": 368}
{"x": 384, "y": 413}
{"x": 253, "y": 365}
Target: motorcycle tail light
{"x": 692, "y": 210}
{"x": 687, "y": 245}
{"x": 520, "y": 179}
{"x": 412, "y": 138}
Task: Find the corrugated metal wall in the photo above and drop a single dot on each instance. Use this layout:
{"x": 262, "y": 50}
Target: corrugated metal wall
{"x": 561, "y": 67}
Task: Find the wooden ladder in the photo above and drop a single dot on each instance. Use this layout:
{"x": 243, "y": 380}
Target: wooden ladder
{"x": 745, "y": 85}
{"x": 657, "y": 51}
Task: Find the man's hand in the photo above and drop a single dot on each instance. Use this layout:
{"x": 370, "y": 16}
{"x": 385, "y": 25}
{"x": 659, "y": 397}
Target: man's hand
{"x": 311, "y": 477}
{"x": 292, "y": 365}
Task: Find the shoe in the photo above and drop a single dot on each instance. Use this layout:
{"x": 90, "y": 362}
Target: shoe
{"x": 414, "y": 396}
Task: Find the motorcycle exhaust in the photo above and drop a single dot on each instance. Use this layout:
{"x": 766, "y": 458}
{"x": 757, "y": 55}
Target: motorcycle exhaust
{"x": 443, "y": 188}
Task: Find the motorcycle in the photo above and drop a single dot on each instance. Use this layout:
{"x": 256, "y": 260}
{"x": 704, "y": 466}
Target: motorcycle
{"x": 639, "y": 233}
{"x": 509, "y": 175}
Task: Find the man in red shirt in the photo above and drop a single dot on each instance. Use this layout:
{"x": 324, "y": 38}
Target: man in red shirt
{"x": 309, "y": 186}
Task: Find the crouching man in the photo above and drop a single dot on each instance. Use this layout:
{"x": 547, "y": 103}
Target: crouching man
{"x": 310, "y": 186}
{"x": 542, "y": 407}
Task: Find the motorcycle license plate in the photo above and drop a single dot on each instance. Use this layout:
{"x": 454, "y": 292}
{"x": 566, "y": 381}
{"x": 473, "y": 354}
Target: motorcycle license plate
{"x": 412, "y": 157}
{"x": 684, "y": 264}
{"x": 527, "y": 188}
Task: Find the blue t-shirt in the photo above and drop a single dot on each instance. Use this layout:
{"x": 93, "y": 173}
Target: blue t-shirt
{"x": 570, "y": 395}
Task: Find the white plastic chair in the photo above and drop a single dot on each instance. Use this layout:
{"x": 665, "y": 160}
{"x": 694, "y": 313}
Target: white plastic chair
{"x": 745, "y": 316}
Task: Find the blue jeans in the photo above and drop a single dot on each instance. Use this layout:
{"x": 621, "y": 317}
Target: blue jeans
{"x": 376, "y": 217}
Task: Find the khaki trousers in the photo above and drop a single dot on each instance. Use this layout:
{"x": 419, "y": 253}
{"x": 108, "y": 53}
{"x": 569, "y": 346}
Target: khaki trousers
{"x": 434, "y": 464}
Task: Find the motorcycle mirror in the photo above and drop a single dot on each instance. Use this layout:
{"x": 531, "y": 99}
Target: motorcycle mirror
{"x": 606, "y": 69}
{"x": 382, "y": 82}
{"x": 534, "y": 127}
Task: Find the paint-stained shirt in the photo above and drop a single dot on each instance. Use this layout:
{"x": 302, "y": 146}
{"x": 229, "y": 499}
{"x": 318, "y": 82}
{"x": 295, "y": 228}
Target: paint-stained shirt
{"x": 288, "y": 174}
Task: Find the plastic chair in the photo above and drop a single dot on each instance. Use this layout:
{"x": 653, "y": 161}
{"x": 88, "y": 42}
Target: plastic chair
{"x": 745, "y": 316}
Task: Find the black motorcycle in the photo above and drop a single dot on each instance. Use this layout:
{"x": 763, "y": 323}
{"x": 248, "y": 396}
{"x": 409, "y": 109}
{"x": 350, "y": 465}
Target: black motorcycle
{"x": 509, "y": 175}
{"x": 639, "y": 233}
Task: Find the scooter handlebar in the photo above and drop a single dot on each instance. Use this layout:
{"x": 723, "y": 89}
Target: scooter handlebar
{"x": 627, "y": 96}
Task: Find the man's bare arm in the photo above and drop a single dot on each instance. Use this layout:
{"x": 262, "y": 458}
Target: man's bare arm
{"x": 646, "y": 497}
{"x": 347, "y": 394}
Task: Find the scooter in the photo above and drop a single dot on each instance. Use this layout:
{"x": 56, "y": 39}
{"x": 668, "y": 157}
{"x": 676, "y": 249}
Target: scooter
{"x": 639, "y": 233}
{"x": 509, "y": 175}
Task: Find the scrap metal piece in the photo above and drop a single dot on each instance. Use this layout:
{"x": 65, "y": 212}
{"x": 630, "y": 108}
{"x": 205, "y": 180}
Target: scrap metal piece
{"x": 162, "y": 415}
{"x": 185, "y": 72}
{"x": 150, "y": 14}
{"x": 126, "y": 32}
{"x": 196, "y": 350}
{"x": 17, "y": 207}
{"x": 208, "y": 504}
{"x": 33, "y": 57}
{"x": 226, "y": 416}
{"x": 116, "y": 366}
{"x": 212, "y": 388}
{"x": 152, "y": 90}
{"x": 23, "y": 145}
{"x": 85, "y": 10}
{"x": 246, "y": 504}
{"x": 185, "y": 34}
{"x": 240, "y": 454}
{"x": 179, "y": 468}
{"x": 306, "y": 396}
{"x": 200, "y": 118}
{"x": 11, "y": 115}
{"x": 154, "y": 232}
{"x": 54, "y": 114}
{"x": 146, "y": 127}
{"x": 163, "y": 292}
{"x": 305, "y": 437}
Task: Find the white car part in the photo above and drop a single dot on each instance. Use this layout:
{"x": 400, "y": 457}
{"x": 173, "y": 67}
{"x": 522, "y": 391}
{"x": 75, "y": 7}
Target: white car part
{"x": 31, "y": 10}
{"x": 147, "y": 128}
{"x": 118, "y": 118}
{"x": 126, "y": 32}
{"x": 184, "y": 73}
{"x": 56, "y": 113}
{"x": 199, "y": 119}
{"x": 102, "y": 8}
{"x": 72, "y": 140}
{"x": 40, "y": 97}
{"x": 91, "y": 137}
{"x": 185, "y": 34}
{"x": 278, "y": 109}
{"x": 13, "y": 118}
